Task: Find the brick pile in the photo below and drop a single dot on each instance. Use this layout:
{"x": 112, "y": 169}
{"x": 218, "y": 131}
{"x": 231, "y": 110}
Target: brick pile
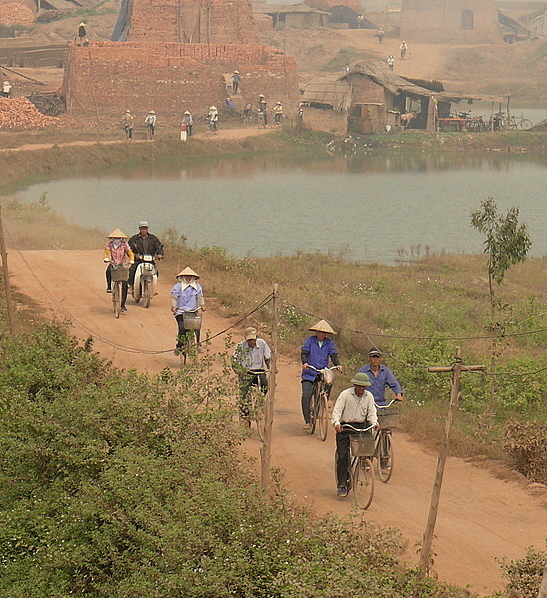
{"x": 19, "y": 113}
{"x": 14, "y": 13}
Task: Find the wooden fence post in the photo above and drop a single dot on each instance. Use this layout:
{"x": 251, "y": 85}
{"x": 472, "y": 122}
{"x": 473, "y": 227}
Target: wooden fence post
{"x": 7, "y": 287}
{"x": 456, "y": 368}
{"x": 266, "y": 448}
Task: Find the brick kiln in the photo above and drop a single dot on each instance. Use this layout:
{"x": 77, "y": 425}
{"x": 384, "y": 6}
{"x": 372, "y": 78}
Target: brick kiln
{"x": 176, "y": 55}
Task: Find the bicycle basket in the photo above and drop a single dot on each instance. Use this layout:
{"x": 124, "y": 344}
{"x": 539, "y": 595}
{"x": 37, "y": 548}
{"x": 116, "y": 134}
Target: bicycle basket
{"x": 119, "y": 274}
{"x": 192, "y": 321}
{"x": 388, "y": 417}
{"x": 362, "y": 445}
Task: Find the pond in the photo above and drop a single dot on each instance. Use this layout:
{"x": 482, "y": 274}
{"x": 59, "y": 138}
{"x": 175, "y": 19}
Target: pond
{"x": 371, "y": 208}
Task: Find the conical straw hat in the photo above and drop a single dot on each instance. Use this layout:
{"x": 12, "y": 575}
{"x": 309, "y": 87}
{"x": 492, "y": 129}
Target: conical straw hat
{"x": 117, "y": 233}
{"x": 187, "y": 272}
{"x": 322, "y": 326}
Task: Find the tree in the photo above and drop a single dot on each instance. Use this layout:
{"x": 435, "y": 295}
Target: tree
{"x": 507, "y": 243}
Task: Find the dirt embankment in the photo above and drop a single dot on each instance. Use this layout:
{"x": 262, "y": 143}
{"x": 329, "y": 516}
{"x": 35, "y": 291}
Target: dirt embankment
{"x": 481, "y": 517}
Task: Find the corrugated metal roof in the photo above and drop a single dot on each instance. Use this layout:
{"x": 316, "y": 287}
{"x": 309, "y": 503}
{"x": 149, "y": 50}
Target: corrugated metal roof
{"x": 269, "y": 9}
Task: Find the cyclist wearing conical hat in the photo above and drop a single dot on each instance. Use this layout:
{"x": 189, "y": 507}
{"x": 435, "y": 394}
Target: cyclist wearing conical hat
{"x": 316, "y": 351}
{"x": 186, "y": 298}
{"x": 116, "y": 252}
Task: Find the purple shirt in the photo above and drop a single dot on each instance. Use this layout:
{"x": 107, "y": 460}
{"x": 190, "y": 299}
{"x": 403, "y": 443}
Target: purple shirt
{"x": 384, "y": 378}
{"x": 318, "y": 356}
{"x": 187, "y": 298}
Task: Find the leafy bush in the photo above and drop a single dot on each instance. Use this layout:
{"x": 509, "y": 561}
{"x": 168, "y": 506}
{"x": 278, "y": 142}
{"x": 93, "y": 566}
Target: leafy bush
{"x": 524, "y": 575}
{"x": 120, "y": 485}
{"x": 526, "y": 442}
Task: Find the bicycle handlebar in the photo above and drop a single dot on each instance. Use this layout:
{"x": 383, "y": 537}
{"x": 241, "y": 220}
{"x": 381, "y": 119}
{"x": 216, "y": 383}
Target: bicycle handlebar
{"x": 360, "y": 430}
{"x": 388, "y": 405}
{"x": 334, "y": 367}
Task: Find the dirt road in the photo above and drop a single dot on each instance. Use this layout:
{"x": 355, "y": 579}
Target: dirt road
{"x": 481, "y": 517}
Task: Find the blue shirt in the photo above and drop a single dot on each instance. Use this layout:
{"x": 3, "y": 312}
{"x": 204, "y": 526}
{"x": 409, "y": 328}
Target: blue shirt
{"x": 318, "y": 356}
{"x": 384, "y": 378}
{"x": 187, "y": 297}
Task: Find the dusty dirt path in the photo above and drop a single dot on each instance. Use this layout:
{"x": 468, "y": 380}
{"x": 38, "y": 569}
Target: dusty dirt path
{"x": 481, "y": 517}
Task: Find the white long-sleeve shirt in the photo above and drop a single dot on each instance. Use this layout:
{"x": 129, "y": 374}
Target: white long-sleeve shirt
{"x": 349, "y": 408}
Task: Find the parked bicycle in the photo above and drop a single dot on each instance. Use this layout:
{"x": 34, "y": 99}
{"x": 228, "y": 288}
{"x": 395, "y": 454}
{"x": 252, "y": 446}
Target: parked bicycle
{"x": 319, "y": 411}
{"x": 383, "y": 450}
{"x": 361, "y": 471}
{"x": 520, "y": 122}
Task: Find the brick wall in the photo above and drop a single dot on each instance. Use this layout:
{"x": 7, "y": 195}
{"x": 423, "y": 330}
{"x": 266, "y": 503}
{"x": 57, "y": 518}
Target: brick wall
{"x": 193, "y": 21}
{"x": 435, "y": 21}
{"x": 109, "y": 78}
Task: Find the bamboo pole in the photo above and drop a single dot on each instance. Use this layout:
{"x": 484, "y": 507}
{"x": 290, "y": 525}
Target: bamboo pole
{"x": 456, "y": 369}
{"x": 266, "y": 448}
{"x": 7, "y": 287}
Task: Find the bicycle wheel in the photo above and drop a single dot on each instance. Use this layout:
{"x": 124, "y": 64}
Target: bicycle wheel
{"x": 116, "y": 299}
{"x": 258, "y": 410}
{"x": 314, "y": 406}
{"x": 362, "y": 481}
{"x": 526, "y": 124}
{"x": 146, "y": 294}
{"x": 385, "y": 456}
{"x": 322, "y": 416}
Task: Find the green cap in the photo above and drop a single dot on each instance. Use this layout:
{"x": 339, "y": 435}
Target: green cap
{"x": 361, "y": 379}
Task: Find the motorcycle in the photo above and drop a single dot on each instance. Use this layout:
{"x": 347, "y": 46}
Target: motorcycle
{"x": 146, "y": 277}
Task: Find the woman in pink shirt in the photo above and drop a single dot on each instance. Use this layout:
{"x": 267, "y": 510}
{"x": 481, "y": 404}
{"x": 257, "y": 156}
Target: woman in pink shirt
{"x": 116, "y": 252}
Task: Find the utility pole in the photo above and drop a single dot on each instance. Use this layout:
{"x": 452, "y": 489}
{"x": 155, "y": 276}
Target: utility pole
{"x": 7, "y": 287}
{"x": 266, "y": 448}
{"x": 456, "y": 368}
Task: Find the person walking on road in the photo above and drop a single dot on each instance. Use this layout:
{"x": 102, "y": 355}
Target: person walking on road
{"x": 316, "y": 351}
{"x": 127, "y": 124}
{"x": 381, "y": 377}
{"x": 278, "y": 113}
{"x": 82, "y": 34}
{"x": 150, "y": 122}
{"x": 188, "y": 122}
{"x": 404, "y": 49}
{"x": 390, "y": 62}
{"x": 354, "y": 406}
{"x": 251, "y": 357}
{"x": 116, "y": 252}
{"x": 380, "y": 35}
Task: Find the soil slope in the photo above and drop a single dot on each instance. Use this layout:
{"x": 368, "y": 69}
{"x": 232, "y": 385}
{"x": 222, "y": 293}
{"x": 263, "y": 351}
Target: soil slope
{"x": 481, "y": 517}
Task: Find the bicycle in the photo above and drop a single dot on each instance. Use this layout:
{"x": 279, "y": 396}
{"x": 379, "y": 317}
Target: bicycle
{"x": 213, "y": 126}
{"x": 120, "y": 275}
{"x": 360, "y": 478}
{"x": 520, "y": 123}
{"x": 257, "y": 401}
{"x": 192, "y": 325}
{"x": 319, "y": 413}
{"x": 383, "y": 450}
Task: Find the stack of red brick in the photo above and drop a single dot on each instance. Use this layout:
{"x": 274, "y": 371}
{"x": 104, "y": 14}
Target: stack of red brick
{"x": 14, "y": 13}
{"x": 19, "y": 113}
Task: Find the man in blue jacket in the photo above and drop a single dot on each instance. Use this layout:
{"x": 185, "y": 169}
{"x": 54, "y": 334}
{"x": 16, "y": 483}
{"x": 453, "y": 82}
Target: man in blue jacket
{"x": 316, "y": 351}
{"x": 380, "y": 377}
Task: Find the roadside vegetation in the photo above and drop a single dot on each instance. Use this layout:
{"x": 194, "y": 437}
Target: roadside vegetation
{"x": 117, "y": 484}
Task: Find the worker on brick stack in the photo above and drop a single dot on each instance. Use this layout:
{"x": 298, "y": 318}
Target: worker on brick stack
{"x": 82, "y": 34}
{"x": 6, "y": 89}
{"x": 127, "y": 124}
{"x": 236, "y": 78}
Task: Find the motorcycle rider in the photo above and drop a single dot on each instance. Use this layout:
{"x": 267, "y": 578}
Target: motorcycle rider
{"x": 143, "y": 243}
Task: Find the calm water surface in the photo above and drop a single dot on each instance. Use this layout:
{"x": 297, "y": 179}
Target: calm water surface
{"x": 374, "y": 208}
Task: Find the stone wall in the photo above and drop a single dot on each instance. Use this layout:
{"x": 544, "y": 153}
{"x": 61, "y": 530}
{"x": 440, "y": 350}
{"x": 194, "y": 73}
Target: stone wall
{"x": 436, "y": 21}
{"x": 108, "y": 78}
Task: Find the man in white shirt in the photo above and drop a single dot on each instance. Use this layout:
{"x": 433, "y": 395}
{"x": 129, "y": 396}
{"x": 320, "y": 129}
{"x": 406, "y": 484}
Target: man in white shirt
{"x": 354, "y": 406}
{"x": 249, "y": 361}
